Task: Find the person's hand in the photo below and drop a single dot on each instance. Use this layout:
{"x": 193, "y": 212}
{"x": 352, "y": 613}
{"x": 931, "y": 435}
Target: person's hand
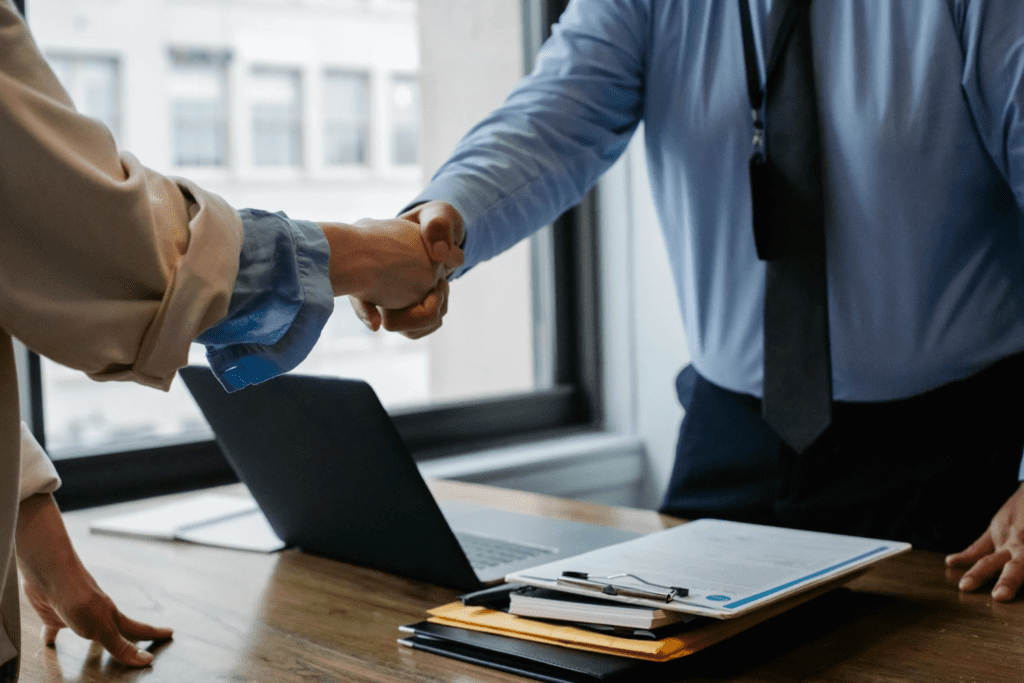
{"x": 63, "y": 592}
{"x": 1000, "y": 550}
{"x": 382, "y": 262}
{"x": 441, "y": 231}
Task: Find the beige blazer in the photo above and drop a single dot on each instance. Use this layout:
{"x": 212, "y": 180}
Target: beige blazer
{"x": 105, "y": 265}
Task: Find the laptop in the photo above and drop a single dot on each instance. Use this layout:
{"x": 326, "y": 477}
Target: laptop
{"x": 326, "y": 465}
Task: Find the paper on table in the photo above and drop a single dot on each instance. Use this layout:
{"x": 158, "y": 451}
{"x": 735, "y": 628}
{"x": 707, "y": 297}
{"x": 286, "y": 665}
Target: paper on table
{"x": 211, "y": 519}
{"x": 729, "y": 567}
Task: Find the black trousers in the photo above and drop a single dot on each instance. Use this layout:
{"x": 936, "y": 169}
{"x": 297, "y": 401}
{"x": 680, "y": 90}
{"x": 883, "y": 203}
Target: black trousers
{"x": 9, "y": 671}
{"x": 931, "y": 470}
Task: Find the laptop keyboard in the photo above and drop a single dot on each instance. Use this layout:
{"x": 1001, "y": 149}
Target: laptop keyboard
{"x": 484, "y": 552}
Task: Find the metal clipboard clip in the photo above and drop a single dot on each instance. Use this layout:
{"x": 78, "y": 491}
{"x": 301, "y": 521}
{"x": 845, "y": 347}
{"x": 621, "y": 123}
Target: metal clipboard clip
{"x": 586, "y": 581}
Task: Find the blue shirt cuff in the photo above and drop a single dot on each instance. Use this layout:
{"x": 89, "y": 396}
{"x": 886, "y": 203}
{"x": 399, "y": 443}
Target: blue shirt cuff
{"x": 281, "y": 301}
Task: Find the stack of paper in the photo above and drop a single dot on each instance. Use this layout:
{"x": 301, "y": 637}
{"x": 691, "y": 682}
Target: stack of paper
{"x": 731, "y": 575}
{"x": 544, "y": 603}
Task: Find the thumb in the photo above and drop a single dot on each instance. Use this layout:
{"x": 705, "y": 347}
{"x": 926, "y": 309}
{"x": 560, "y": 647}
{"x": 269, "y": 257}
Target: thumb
{"x": 368, "y": 313}
{"x": 442, "y": 231}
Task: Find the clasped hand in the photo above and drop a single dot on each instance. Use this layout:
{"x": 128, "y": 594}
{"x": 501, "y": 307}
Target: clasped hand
{"x": 438, "y": 227}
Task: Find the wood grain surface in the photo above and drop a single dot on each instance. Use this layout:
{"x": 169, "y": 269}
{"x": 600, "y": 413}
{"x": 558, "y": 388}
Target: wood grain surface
{"x": 291, "y": 617}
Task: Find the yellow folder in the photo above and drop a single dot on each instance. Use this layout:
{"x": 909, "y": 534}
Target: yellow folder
{"x": 686, "y": 643}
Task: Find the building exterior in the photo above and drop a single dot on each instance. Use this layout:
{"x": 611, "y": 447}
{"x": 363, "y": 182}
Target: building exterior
{"x": 307, "y": 106}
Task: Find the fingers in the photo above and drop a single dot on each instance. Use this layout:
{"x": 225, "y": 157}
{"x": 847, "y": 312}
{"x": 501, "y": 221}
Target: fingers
{"x": 1010, "y": 580}
{"x": 136, "y": 630}
{"x": 117, "y": 637}
{"x": 125, "y": 651}
{"x": 983, "y": 570}
{"x": 50, "y": 634}
{"x": 974, "y": 552}
{"x": 368, "y": 313}
{"x": 422, "y": 319}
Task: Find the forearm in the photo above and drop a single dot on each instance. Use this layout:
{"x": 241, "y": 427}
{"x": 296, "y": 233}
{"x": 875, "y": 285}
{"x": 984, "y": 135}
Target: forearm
{"x": 560, "y": 129}
{"x": 43, "y": 546}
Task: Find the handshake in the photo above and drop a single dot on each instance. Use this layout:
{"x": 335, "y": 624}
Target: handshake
{"x": 395, "y": 272}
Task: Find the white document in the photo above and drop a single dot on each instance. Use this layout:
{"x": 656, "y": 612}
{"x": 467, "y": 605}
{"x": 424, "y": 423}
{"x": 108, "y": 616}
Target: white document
{"x": 729, "y": 568}
{"x": 210, "y": 519}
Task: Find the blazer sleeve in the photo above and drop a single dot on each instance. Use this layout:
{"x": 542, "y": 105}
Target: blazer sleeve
{"x": 106, "y": 265}
{"x": 38, "y": 474}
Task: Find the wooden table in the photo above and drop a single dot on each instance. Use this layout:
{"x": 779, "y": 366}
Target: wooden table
{"x": 241, "y": 616}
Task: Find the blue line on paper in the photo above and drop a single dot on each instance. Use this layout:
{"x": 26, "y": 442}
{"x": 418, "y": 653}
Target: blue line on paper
{"x": 752, "y": 598}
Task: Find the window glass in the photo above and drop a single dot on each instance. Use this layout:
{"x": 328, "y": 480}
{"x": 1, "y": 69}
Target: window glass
{"x": 316, "y": 108}
{"x": 346, "y": 110}
{"x": 405, "y": 118}
{"x": 276, "y": 117}
{"x": 199, "y": 108}
{"x": 93, "y": 84}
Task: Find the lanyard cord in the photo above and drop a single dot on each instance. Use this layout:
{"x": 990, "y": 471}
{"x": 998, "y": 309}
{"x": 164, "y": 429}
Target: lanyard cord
{"x": 754, "y": 90}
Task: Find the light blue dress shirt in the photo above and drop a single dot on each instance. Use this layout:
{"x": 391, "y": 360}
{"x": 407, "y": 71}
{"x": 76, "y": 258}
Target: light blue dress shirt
{"x": 922, "y": 114}
{"x": 281, "y": 300}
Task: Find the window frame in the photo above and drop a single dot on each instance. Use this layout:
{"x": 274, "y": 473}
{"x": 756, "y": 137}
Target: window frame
{"x": 571, "y": 405}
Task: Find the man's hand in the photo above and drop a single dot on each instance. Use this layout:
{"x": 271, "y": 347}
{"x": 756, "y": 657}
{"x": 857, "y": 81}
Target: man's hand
{"x": 999, "y": 550}
{"x": 384, "y": 263}
{"x": 441, "y": 231}
{"x": 65, "y": 595}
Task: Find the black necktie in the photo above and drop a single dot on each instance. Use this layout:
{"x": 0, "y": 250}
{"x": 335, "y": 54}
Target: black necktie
{"x": 789, "y": 231}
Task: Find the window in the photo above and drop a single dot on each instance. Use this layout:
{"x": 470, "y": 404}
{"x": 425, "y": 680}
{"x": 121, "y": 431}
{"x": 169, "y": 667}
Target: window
{"x": 276, "y": 117}
{"x": 248, "y": 100}
{"x": 405, "y": 116}
{"x": 93, "y": 84}
{"x": 346, "y": 118}
{"x": 199, "y": 108}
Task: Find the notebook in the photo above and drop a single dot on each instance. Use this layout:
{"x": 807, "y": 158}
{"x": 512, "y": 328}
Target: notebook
{"x": 329, "y": 470}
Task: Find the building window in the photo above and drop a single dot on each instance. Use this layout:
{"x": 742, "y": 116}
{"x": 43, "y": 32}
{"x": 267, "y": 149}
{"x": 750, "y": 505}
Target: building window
{"x": 492, "y": 373}
{"x": 199, "y": 108}
{"x": 276, "y": 117}
{"x": 94, "y": 86}
{"x": 346, "y": 118}
{"x": 405, "y": 110}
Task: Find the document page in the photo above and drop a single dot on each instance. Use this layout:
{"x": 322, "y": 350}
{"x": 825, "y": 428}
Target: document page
{"x": 728, "y": 568}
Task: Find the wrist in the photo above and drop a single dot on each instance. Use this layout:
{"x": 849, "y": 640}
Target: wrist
{"x": 349, "y": 261}
{"x": 43, "y": 546}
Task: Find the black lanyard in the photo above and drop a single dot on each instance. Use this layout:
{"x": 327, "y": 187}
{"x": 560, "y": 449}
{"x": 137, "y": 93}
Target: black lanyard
{"x": 754, "y": 90}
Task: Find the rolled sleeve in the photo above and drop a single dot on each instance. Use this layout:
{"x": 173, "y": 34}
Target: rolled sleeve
{"x": 38, "y": 474}
{"x": 280, "y": 303}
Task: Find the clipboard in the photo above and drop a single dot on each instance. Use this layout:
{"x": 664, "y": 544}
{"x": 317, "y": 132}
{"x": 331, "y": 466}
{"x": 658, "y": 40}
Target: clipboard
{"x": 712, "y": 567}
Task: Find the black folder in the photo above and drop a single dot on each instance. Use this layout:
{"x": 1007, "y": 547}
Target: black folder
{"x": 542, "y": 662}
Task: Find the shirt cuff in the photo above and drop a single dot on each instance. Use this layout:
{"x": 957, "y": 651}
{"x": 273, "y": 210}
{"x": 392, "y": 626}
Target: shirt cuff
{"x": 38, "y": 474}
{"x": 281, "y": 301}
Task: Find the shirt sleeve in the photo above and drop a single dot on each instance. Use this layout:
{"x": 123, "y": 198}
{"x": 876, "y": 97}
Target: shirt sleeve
{"x": 560, "y": 129}
{"x": 993, "y": 84}
{"x": 38, "y": 474}
{"x": 107, "y": 266}
{"x": 281, "y": 300}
